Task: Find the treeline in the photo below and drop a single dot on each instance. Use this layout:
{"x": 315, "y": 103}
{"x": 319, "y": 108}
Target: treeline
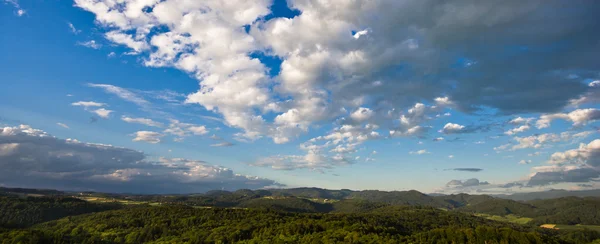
{"x": 181, "y": 224}
{"x": 568, "y": 210}
{"x": 18, "y": 212}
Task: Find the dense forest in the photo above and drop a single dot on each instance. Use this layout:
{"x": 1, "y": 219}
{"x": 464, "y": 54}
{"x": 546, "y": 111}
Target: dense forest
{"x": 302, "y": 215}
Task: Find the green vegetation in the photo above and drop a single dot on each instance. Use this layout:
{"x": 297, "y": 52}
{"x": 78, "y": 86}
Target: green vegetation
{"x": 577, "y": 227}
{"x": 303, "y": 215}
{"x": 507, "y": 218}
{"x": 23, "y": 212}
{"x": 180, "y": 224}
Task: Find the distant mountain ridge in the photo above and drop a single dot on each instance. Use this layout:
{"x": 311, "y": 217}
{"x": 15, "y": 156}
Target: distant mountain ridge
{"x": 549, "y": 195}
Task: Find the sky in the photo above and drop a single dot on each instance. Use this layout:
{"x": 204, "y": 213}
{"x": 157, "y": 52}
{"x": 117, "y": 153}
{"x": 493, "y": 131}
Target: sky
{"x": 177, "y": 96}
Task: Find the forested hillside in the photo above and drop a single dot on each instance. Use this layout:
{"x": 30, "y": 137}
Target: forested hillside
{"x": 180, "y": 224}
{"x": 292, "y": 216}
{"x": 23, "y": 212}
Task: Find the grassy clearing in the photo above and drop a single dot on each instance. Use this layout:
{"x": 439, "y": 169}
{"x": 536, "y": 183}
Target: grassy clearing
{"x": 110, "y": 200}
{"x": 508, "y": 218}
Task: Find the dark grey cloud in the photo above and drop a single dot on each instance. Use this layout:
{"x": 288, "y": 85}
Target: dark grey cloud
{"x": 466, "y": 183}
{"x": 581, "y": 175}
{"x": 467, "y": 169}
{"x": 511, "y": 185}
{"x": 33, "y": 158}
{"x": 585, "y": 185}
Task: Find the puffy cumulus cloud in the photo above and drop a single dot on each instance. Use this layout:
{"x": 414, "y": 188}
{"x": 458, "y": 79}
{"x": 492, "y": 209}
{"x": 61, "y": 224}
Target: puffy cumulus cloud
{"x": 451, "y": 128}
{"x": 519, "y": 129}
{"x": 542, "y": 140}
{"x": 362, "y": 114}
{"x": 102, "y": 112}
{"x": 523, "y": 161}
{"x": 182, "y": 130}
{"x": 33, "y": 158}
{"x": 143, "y": 121}
{"x": 409, "y": 123}
{"x": 325, "y": 152}
{"x": 473, "y": 182}
{"x": 338, "y": 57}
{"x": 521, "y": 121}
{"x": 586, "y": 154}
{"x": 577, "y": 117}
{"x": 148, "y": 136}
{"x": 572, "y": 166}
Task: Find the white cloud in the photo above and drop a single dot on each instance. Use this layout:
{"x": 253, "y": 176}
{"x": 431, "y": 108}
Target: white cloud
{"x": 90, "y": 44}
{"x": 122, "y": 93}
{"x": 19, "y": 11}
{"x": 541, "y": 140}
{"x": 88, "y": 104}
{"x": 358, "y": 34}
{"x": 525, "y": 161}
{"x": 521, "y": 121}
{"x": 102, "y": 112}
{"x": 144, "y": 121}
{"x": 313, "y": 161}
{"x": 586, "y": 154}
{"x": 62, "y": 125}
{"x": 73, "y": 29}
{"x": 327, "y": 72}
{"x": 182, "y": 130}
{"x": 127, "y": 40}
{"x": 577, "y": 117}
{"x": 450, "y": 156}
{"x": 148, "y": 136}
{"x": 362, "y": 114}
{"x": 451, "y": 128}
{"x": 519, "y": 129}
{"x": 419, "y": 152}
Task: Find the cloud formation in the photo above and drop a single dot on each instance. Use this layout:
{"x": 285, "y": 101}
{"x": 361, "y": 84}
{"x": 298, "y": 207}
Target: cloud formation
{"x": 33, "y": 158}
{"x": 143, "y": 121}
{"x": 572, "y": 166}
{"x": 362, "y": 59}
{"x": 473, "y": 182}
{"x": 467, "y": 169}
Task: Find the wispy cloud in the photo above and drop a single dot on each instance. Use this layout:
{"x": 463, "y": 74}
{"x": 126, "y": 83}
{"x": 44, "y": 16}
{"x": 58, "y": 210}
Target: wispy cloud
{"x": 73, "y": 29}
{"x": 63, "y": 125}
{"x": 90, "y": 44}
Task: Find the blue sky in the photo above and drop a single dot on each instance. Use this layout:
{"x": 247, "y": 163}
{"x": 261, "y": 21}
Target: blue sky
{"x": 226, "y": 95}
